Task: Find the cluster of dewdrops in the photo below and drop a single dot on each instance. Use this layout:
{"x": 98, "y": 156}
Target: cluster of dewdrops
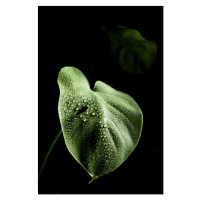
{"x": 70, "y": 104}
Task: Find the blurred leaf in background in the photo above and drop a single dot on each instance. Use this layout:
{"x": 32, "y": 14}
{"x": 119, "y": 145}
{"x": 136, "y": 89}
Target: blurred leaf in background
{"x": 135, "y": 54}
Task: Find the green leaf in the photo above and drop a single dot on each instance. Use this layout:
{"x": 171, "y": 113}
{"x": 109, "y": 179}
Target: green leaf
{"x": 101, "y": 127}
{"x": 136, "y": 54}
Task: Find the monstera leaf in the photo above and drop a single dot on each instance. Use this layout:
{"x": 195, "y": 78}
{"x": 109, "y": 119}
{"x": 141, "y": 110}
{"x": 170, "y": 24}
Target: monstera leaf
{"x": 136, "y": 54}
{"x": 101, "y": 127}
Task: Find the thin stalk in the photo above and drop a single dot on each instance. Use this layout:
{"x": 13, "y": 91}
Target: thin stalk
{"x": 49, "y": 151}
{"x": 93, "y": 178}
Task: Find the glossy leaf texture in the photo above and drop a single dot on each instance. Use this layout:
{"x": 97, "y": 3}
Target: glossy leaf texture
{"x": 101, "y": 127}
{"x": 136, "y": 54}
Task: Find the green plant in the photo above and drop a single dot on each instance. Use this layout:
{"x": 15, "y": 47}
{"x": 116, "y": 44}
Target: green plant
{"x": 101, "y": 127}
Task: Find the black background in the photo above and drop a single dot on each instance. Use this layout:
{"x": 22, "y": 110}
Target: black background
{"x": 70, "y": 36}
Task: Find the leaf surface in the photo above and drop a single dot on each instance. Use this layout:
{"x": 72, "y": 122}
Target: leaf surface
{"x": 101, "y": 127}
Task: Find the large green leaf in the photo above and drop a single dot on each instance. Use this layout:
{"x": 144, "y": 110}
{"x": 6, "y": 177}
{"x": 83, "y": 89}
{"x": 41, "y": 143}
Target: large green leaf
{"x": 136, "y": 54}
{"x": 101, "y": 127}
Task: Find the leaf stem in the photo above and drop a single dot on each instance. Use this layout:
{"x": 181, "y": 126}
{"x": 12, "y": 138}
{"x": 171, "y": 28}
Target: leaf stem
{"x": 49, "y": 151}
{"x": 94, "y": 177}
